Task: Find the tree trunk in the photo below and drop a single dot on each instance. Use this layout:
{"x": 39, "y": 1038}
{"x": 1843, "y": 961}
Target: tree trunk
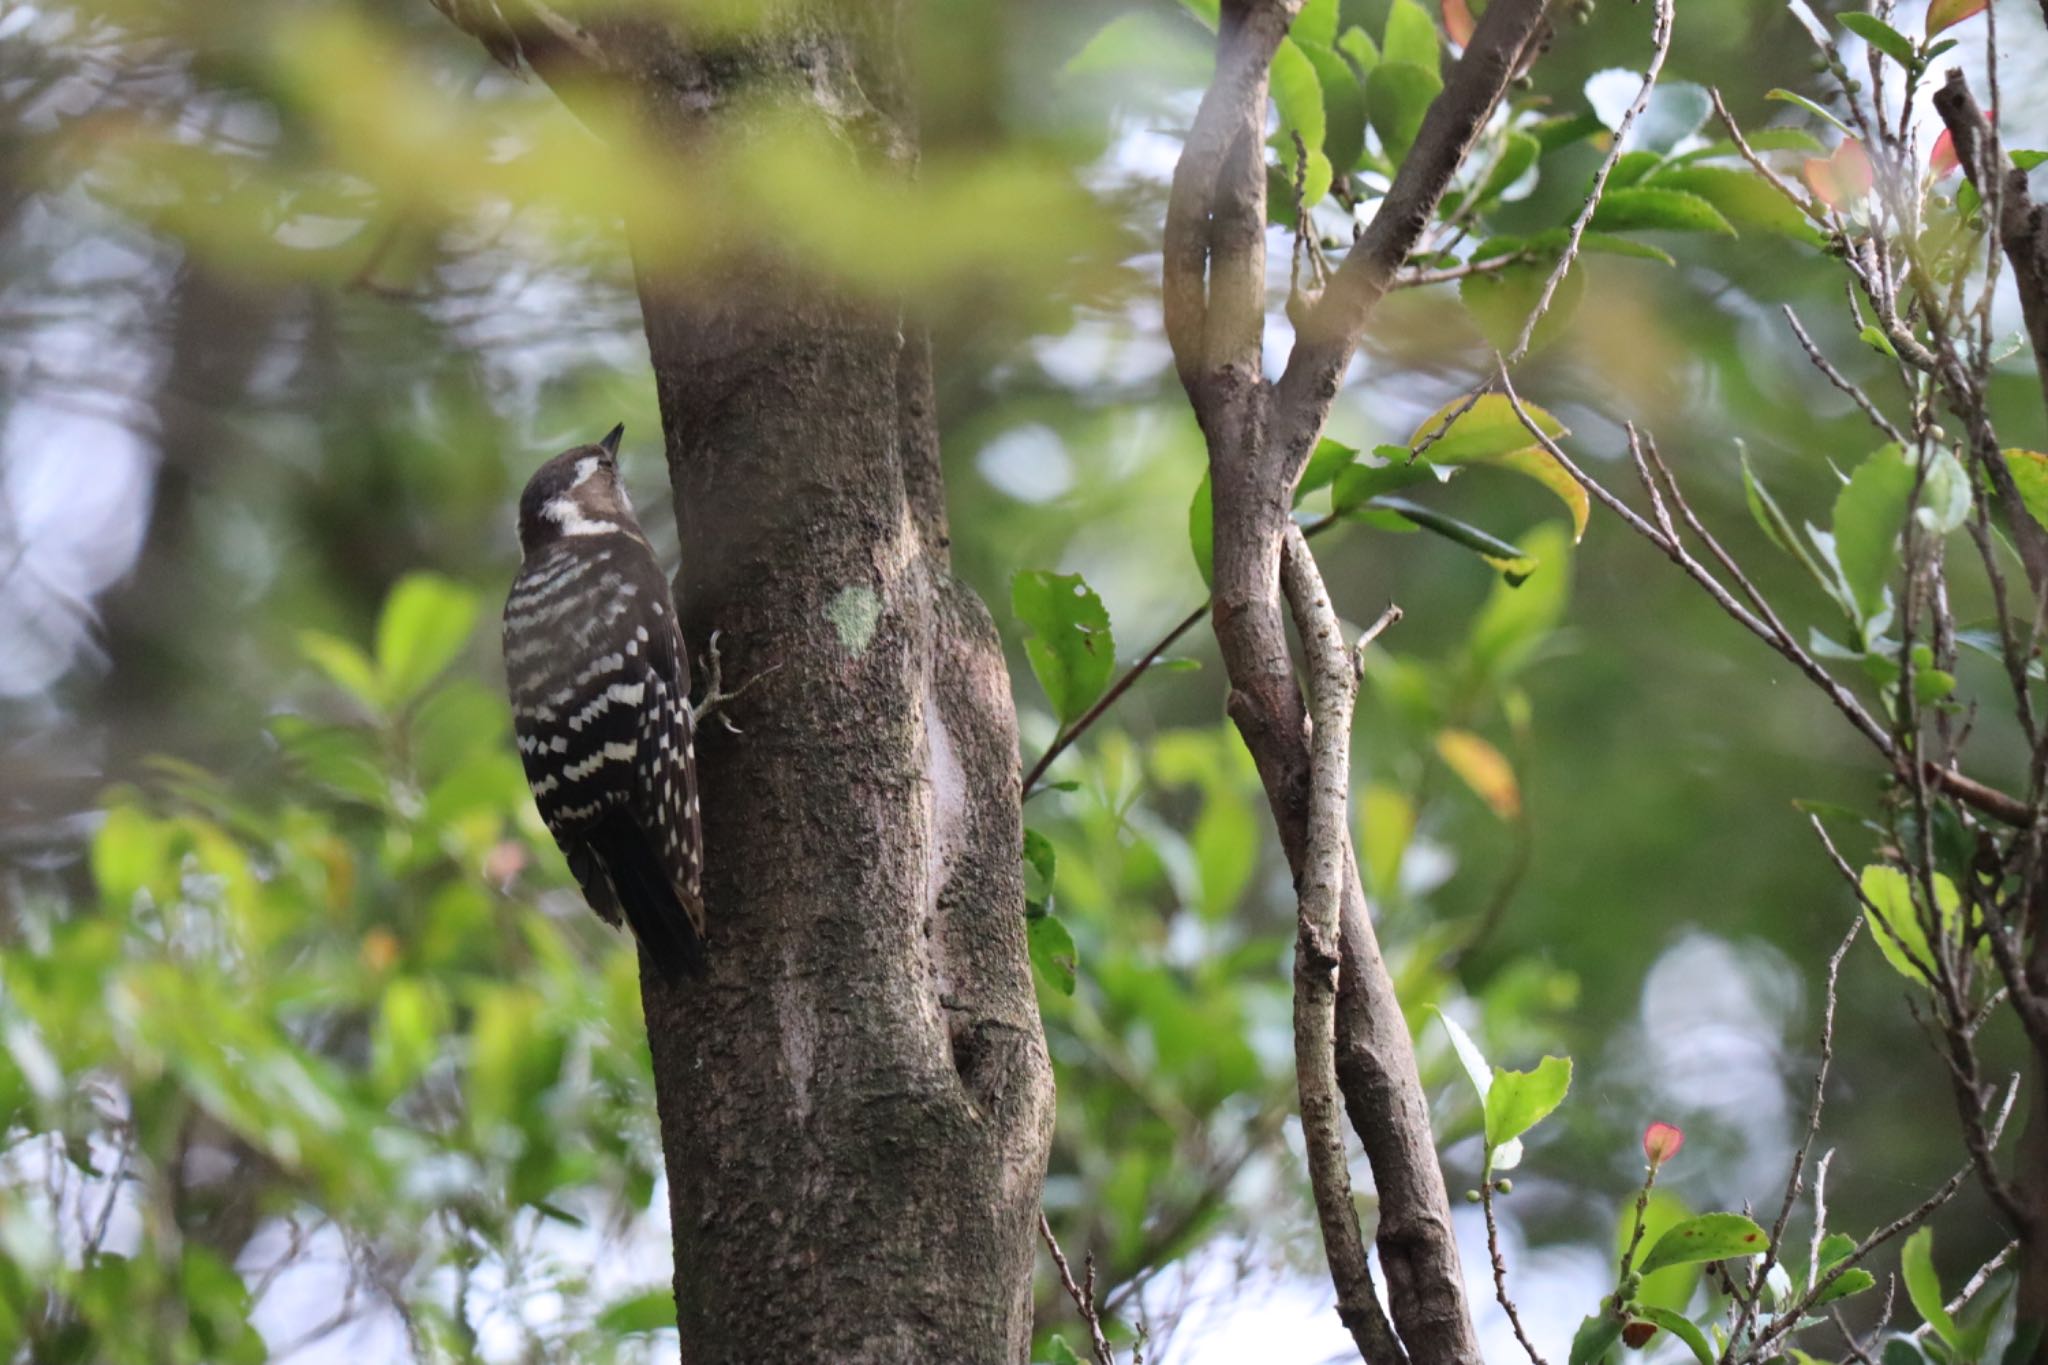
{"x": 856, "y": 1102}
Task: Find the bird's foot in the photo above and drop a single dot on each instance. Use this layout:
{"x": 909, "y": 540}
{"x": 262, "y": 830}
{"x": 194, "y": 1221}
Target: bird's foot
{"x": 715, "y": 695}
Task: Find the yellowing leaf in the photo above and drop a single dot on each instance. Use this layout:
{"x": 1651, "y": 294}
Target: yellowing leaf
{"x": 1490, "y": 433}
{"x": 1483, "y": 768}
{"x": 1948, "y": 13}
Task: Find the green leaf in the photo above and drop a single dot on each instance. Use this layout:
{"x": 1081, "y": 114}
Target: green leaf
{"x": 1503, "y": 1156}
{"x": 1869, "y": 512}
{"x": 1761, "y": 140}
{"x": 1850, "y": 1282}
{"x": 1923, "y": 1285}
{"x": 407, "y": 1036}
{"x": 1877, "y": 340}
{"x": 1057, "y": 1352}
{"x": 1202, "y": 531}
{"x": 131, "y": 854}
{"x": 1743, "y": 197}
{"x": 346, "y": 666}
{"x": 1883, "y": 37}
{"x": 1357, "y": 485}
{"x": 1894, "y": 920}
{"x": 1410, "y": 36}
{"x": 1519, "y": 1100}
{"x": 1596, "y": 1336}
{"x": 1343, "y": 104}
{"x": 1298, "y": 95}
{"x": 2027, "y": 161}
{"x": 1040, "y": 864}
{"x": 1489, "y": 433}
{"x": 1316, "y": 23}
{"x": 1671, "y": 1287}
{"x": 1810, "y": 107}
{"x": 1517, "y": 155}
{"x": 1397, "y": 95}
{"x": 1331, "y": 459}
{"x": 1515, "y": 621}
{"x": 1675, "y": 112}
{"x": 1682, "y": 1327}
{"x": 1071, "y": 649}
{"x": 1944, "y": 494}
{"x": 651, "y": 1310}
{"x": 1608, "y": 244}
{"x": 1356, "y": 45}
{"x": 1501, "y": 300}
{"x": 2030, "y": 475}
{"x": 1642, "y": 208}
{"x": 1567, "y": 129}
{"x": 1709, "y": 1237}
{"x": 1053, "y": 952}
{"x": 425, "y": 623}
{"x": 1514, "y": 563}
{"x": 1631, "y": 167}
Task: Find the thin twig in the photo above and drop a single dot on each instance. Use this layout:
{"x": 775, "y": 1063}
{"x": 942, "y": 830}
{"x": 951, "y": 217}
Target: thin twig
{"x": 1084, "y": 1299}
{"x": 1660, "y": 37}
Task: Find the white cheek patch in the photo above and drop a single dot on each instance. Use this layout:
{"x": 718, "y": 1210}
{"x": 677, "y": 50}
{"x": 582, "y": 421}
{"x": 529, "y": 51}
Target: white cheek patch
{"x": 585, "y": 469}
{"x": 566, "y": 514}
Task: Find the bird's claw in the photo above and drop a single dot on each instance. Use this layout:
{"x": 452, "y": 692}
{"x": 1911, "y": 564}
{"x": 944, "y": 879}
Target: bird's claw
{"x": 714, "y": 694}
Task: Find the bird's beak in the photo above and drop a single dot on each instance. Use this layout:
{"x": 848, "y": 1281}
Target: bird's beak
{"x": 610, "y": 443}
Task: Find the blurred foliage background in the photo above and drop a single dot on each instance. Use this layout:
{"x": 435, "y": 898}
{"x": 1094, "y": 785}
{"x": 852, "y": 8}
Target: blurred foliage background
{"x": 311, "y": 1051}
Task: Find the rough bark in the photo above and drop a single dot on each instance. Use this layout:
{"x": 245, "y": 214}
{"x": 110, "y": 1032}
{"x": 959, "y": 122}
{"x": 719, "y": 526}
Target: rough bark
{"x": 856, "y": 1103}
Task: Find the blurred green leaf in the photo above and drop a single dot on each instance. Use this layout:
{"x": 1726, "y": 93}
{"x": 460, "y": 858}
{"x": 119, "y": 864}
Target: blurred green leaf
{"x": 1202, "y": 531}
{"x": 1053, "y": 952}
{"x": 1397, "y": 95}
{"x": 345, "y": 666}
{"x": 1041, "y": 861}
{"x": 1646, "y": 209}
{"x": 1410, "y": 36}
{"x": 425, "y": 623}
{"x": 1869, "y": 511}
{"x": 1071, "y": 648}
{"x": 650, "y": 1310}
{"x": 1673, "y": 1286}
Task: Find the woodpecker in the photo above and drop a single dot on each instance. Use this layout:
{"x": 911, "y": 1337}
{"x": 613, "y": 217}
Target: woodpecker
{"x": 600, "y": 684}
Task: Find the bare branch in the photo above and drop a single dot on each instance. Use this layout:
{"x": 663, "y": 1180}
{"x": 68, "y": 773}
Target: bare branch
{"x": 1333, "y": 683}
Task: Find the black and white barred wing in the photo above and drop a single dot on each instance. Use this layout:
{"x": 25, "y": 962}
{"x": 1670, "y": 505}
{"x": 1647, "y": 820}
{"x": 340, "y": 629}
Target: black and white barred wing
{"x": 667, "y": 796}
{"x": 600, "y": 707}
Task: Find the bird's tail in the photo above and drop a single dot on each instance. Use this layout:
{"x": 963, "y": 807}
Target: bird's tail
{"x": 651, "y": 905}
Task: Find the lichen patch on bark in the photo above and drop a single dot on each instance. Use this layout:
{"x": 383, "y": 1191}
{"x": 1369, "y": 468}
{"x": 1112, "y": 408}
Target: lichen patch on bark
{"x": 853, "y": 611}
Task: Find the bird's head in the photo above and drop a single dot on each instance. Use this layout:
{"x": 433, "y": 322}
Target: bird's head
{"x": 577, "y": 493}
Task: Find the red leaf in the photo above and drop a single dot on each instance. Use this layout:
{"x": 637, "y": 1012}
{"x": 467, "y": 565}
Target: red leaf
{"x": 1637, "y": 1333}
{"x": 1661, "y": 1142}
{"x": 1941, "y": 158}
{"x": 1843, "y": 178}
{"x": 1458, "y": 21}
